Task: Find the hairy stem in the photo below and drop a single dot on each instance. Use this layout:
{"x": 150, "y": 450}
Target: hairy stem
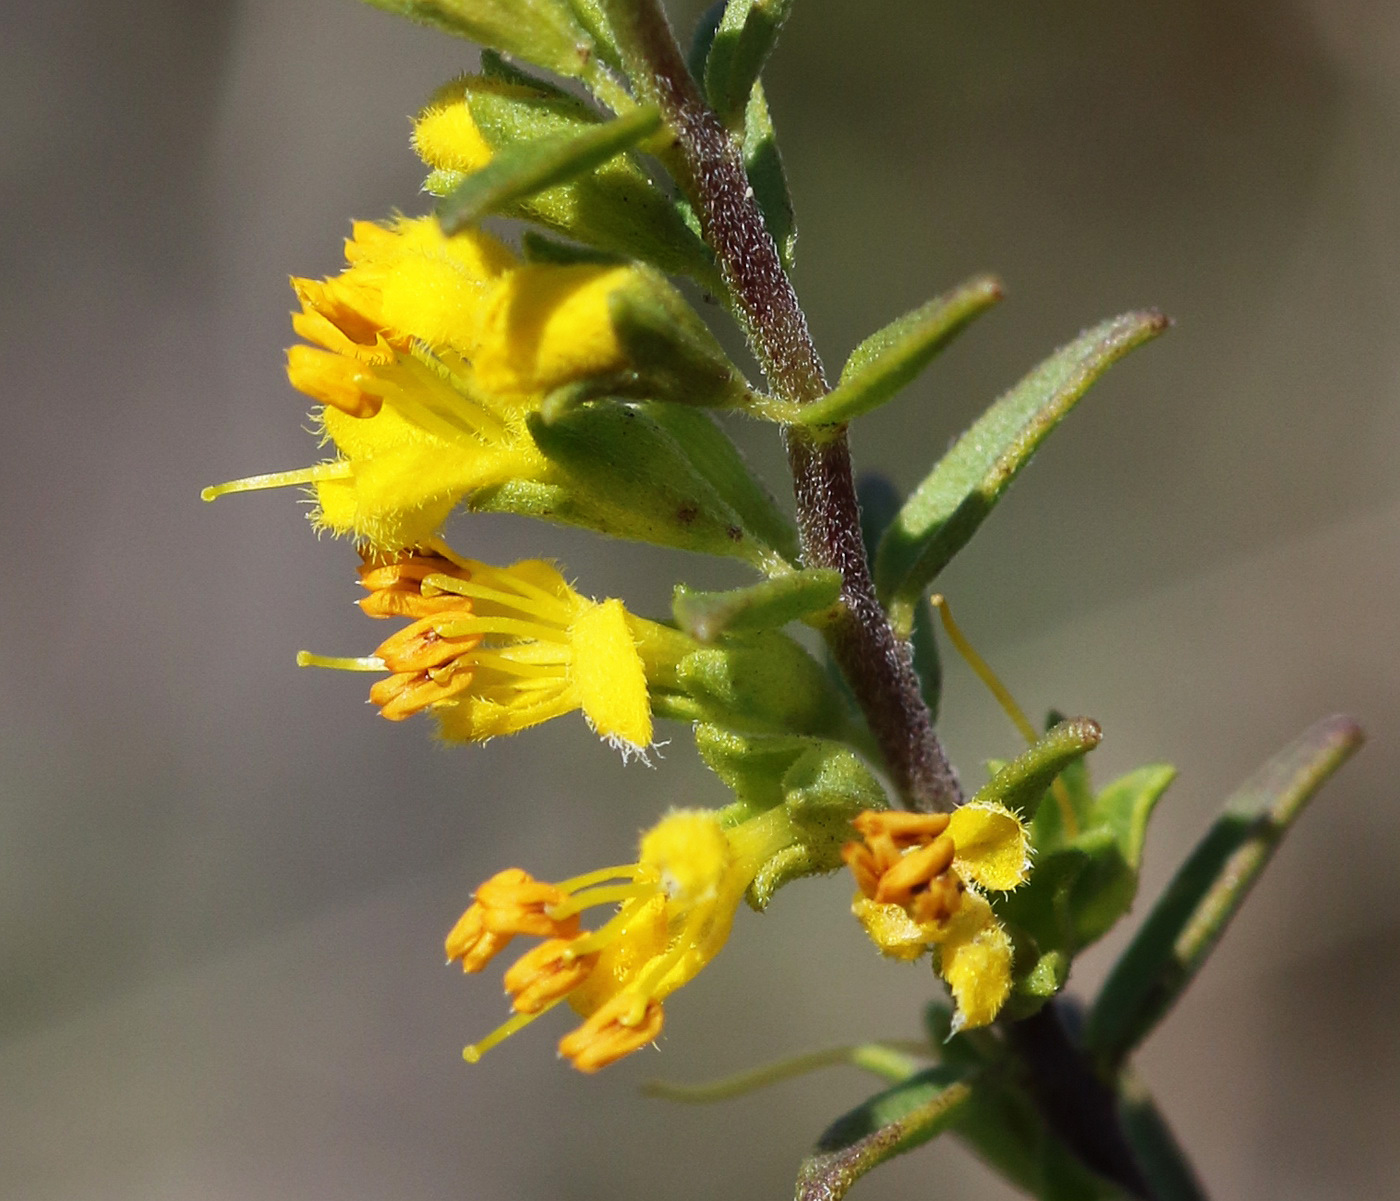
{"x": 709, "y": 167}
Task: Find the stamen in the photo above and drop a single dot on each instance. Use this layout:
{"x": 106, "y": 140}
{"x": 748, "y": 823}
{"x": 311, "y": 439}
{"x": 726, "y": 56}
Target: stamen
{"x": 474, "y": 1052}
{"x": 528, "y": 595}
{"x": 502, "y": 625}
{"x": 1008, "y": 703}
{"x": 628, "y": 871}
{"x": 341, "y": 663}
{"x": 587, "y": 899}
{"x": 587, "y": 943}
{"x": 279, "y": 479}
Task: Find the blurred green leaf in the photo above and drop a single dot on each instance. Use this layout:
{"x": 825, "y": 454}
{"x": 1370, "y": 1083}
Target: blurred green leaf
{"x": 963, "y": 488}
{"x": 1191, "y": 915}
{"x": 742, "y": 41}
{"x": 888, "y": 1124}
{"x": 521, "y": 170}
{"x": 891, "y": 357}
{"x": 1154, "y": 1146}
{"x": 1105, "y": 890}
{"x": 544, "y": 32}
{"x": 766, "y": 605}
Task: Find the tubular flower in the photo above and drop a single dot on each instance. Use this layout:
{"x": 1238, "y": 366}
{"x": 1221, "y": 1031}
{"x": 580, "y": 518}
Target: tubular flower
{"x": 674, "y": 910}
{"x": 493, "y": 650}
{"x": 426, "y": 355}
{"x": 918, "y": 878}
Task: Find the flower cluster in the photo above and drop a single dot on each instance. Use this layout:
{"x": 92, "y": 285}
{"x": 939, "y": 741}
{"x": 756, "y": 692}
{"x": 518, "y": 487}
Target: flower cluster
{"x": 569, "y": 381}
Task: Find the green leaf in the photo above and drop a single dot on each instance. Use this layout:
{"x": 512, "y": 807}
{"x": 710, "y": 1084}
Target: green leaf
{"x": 1154, "y": 1146}
{"x": 891, "y": 357}
{"x": 712, "y": 453}
{"x": 823, "y": 790}
{"x": 742, "y": 41}
{"x": 519, "y": 171}
{"x": 1021, "y": 784}
{"x": 888, "y": 1124}
{"x": 767, "y": 605}
{"x": 536, "y": 247}
{"x": 955, "y": 498}
{"x": 1191, "y": 915}
{"x": 616, "y": 207}
{"x": 544, "y": 32}
{"x": 762, "y": 162}
{"x": 1105, "y": 890}
{"x": 621, "y": 472}
{"x": 764, "y": 167}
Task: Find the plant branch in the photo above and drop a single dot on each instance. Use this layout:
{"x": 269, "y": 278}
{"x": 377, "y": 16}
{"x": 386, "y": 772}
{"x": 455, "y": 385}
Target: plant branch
{"x": 710, "y": 169}
{"x": 1075, "y": 1103}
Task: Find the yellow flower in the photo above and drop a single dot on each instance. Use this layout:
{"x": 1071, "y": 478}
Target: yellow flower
{"x": 493, "y": 650}
{"x": 675, "y": 907}
{"x": 918, "y": 878}
{"x": 426, "y": 356}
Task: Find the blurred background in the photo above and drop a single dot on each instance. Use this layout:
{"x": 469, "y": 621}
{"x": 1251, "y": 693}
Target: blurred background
{"x": 224, "y": 881}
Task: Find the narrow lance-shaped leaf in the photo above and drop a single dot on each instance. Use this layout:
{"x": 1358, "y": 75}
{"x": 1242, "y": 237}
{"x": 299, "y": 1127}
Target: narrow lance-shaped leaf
{"x": 888, "y": 1124}
{"x": 743, "y": 40}
{"x": 1208, "y": 889}
{"x": 522, "y": 170}
{"x": 766, "y": 605}
{"x": 544, "y": 32}
{"x": 1154, "y": 1146}
{"x": 891, "y": 357}
{"x": 764, "y": 166}
{"x": 956, "y": 497}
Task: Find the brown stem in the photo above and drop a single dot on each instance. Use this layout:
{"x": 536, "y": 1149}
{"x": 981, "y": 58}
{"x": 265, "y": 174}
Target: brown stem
{"x": 710, "y": 169}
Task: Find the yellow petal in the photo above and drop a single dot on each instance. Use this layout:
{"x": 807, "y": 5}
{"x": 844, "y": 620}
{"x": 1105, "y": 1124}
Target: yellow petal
{"x": 891, "y": 929}
{"x": 993, "y": 849}
{"x": 447, "y": 137}
{"x": 975, "y": 960}
{"x": 547, "y": 325}
{"x": 607, "y": 671}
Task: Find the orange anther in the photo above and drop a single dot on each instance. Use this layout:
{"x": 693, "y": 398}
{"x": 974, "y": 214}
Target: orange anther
{"x": 545, "y": 973}
{"x": 603, "y": 1039}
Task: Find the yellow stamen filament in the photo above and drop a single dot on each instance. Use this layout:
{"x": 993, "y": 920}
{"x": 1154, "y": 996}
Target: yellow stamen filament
{"x": 586, "y": 944}
{"x": 340, "y": 663}
{"x": 502, "y": 625}
{"x": 1018, "y": 717}
{"x": 627, "y": 871}
{"x": 474, "y": 1052}
{"x": 279, "y": 479}
{"x": 539, "y": 599}
{"x": 611, "y": 895}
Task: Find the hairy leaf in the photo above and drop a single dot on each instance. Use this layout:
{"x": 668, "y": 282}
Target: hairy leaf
{"x": 958, "y": 494}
